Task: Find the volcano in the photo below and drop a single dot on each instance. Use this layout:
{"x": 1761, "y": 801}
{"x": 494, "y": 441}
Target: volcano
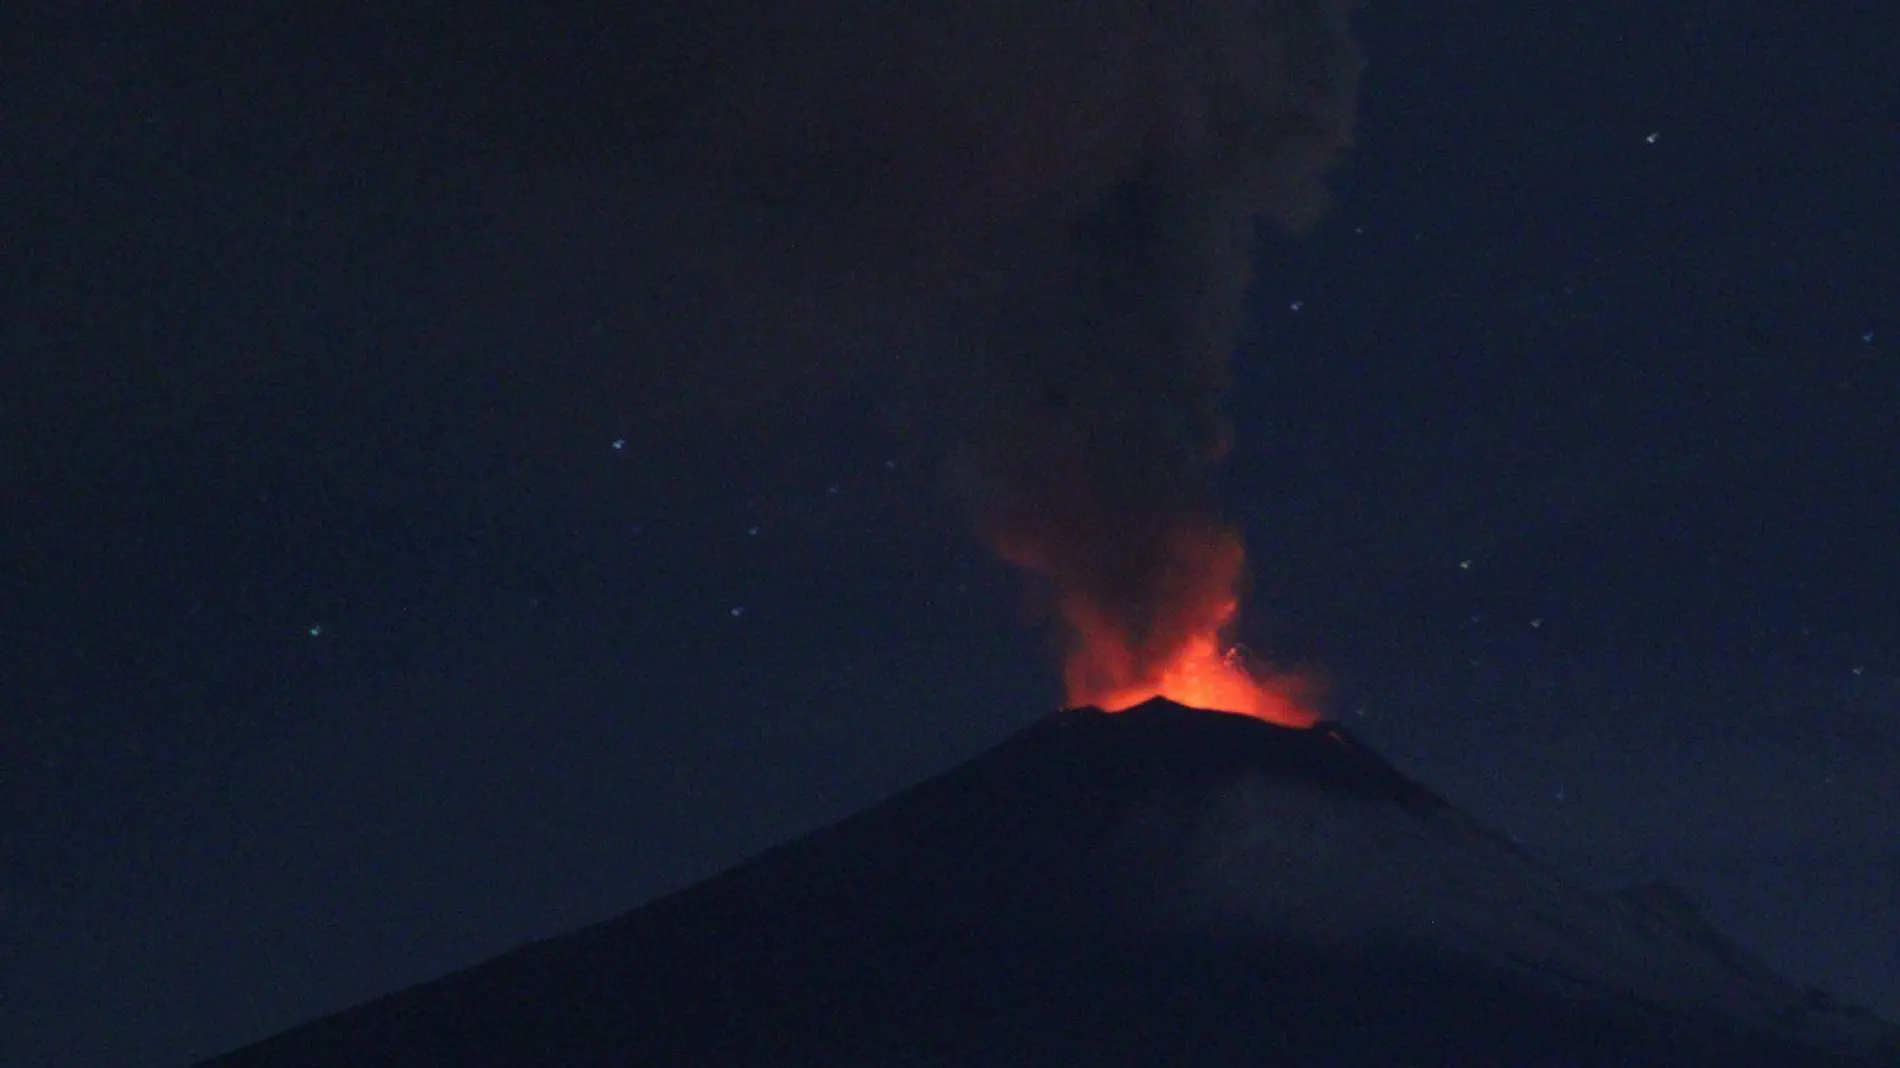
{"x": 1160, "y": 886}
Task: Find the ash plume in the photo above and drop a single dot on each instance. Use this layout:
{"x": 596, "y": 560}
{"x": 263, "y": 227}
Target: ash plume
{"x": 1031, "y": 220}
{"x": 1092, "y": 397}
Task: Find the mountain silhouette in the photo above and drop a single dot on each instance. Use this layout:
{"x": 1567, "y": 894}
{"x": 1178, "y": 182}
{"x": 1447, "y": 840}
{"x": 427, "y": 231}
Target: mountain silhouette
{"x": 1162, "y": 886}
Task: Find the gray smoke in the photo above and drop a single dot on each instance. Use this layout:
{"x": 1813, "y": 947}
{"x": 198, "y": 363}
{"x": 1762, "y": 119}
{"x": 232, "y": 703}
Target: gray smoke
{"x": 1031, "y": 219}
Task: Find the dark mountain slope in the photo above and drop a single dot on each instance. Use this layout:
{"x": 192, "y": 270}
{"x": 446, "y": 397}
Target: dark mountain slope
{"x": 1162, "y": 886}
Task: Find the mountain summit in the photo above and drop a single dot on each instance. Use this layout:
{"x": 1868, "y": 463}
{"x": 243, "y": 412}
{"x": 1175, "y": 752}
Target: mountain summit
{"x": 1161, "y": 886}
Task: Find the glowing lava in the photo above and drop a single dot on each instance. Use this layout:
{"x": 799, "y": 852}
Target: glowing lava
{"x": 1184, "y": 654}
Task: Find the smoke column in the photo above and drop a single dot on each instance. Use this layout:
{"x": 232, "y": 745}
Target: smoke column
{"x": 1093, "y": 400}
{"x": 1032, "y": 218}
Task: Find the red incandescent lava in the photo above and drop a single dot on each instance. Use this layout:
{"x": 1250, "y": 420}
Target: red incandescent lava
{"x": 1183, "y": 653}
{"x": 1203, "y": 672}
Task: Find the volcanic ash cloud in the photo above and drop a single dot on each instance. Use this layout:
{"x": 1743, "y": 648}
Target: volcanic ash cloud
{"x": 1034, "y": 220}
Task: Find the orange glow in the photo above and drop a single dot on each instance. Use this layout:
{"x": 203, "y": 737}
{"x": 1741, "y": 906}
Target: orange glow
{"x": 1185, "y": 656}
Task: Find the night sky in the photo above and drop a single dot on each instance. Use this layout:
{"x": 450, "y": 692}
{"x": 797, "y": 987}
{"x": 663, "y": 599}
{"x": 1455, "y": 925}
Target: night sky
{"x": 360, "y": 621}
